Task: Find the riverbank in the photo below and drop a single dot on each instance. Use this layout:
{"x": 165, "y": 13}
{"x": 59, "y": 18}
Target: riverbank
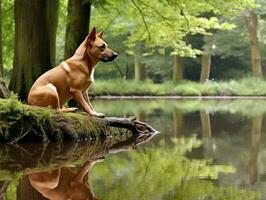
{"x": 244, "y": 88}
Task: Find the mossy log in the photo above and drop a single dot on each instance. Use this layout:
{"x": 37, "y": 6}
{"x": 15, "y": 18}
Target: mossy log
{"x": 21, "y": 122}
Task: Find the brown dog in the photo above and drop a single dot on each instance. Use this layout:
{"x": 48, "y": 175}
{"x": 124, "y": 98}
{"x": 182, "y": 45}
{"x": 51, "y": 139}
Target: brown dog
{"x": 73, "y": 77}
{"x": 64, "y": 183}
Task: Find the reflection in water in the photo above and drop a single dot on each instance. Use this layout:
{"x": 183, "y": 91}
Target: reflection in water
{"x": 51, "y": 168}
{"x": 233, "y": 138}
{"x": 254, "y": 148}
{"x": 178, "y": 123}
{"x": 64, "y": 182}
{"x": 206, "y": 124}
{"x": 233, "y": 135}
{"x": 3, "y": 187}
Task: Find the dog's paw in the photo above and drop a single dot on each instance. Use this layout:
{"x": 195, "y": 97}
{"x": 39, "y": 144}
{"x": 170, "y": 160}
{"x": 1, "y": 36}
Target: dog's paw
{"x": 96, "y": 114}
{"x": 72, "y": 109}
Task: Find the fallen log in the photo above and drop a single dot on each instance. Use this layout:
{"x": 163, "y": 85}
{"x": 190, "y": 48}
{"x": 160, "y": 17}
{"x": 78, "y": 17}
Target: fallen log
{"x": 23, "y": 123}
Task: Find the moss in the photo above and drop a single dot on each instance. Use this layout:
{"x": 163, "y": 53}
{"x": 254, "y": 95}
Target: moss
{"x": 20, "y": 122}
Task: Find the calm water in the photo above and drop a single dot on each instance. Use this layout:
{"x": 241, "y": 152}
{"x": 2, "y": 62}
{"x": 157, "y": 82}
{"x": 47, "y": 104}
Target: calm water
{"x": 205, "y": 150}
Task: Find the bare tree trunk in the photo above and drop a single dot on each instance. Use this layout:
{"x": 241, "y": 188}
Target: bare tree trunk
{"x": 206, "y": 66}
{"x": 140, "y": 68}
{"x": 35, "y": 30}
{"x": 78, "y": 21}
{"x": 206, "y": 124}
{"x": 1, "y": 45}
{"x": 252, "y": 26}
{"x": 177, "y": 68}
{"x": 254, "y": 150}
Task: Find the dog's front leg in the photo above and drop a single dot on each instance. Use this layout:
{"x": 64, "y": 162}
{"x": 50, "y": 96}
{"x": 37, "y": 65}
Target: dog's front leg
{"x": 87, "y": 99}
{"x": 78, "y": 96}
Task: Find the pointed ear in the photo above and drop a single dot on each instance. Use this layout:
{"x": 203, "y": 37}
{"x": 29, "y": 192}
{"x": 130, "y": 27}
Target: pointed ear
{"x": 92, "y": 35}
{"x": 100, "y": 34}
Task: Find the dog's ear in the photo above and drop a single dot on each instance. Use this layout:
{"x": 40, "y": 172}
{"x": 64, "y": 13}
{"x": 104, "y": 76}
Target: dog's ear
{"x": 100, "y": 34}
{"x": 92, "y": 35}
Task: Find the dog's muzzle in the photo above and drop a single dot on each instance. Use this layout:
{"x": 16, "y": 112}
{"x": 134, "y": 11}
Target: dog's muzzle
{"x": 109, "y": 58}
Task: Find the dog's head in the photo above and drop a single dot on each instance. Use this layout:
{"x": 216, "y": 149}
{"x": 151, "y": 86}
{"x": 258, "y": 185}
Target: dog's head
{"x": 97, "y": 48}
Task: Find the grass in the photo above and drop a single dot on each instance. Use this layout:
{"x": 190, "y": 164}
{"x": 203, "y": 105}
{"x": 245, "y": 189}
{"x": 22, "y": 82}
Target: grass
{"x": 242, "y": 87}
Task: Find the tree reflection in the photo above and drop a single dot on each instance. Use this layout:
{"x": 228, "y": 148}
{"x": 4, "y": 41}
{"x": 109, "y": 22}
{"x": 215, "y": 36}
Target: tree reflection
{"x": 163, "y": 172}
{"x": 254, "y": 148}
{"x": 206, "y": 124}
{"x": 178, "y": 123}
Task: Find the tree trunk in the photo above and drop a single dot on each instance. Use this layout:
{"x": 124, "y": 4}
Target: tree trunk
{"x": 252, "y": 26}
{"x": 35, "y": 32}
{"x": 1, "y": 45}
{"x": 4, "y": 93}
{"x": 254, "y": 149}
{"x": 177, "y": 68}
{"x": 140, "y": 68}
{"x": 206, "y": 67}
{"x": 78, "y": 21}
{"x": 206, "y": 124}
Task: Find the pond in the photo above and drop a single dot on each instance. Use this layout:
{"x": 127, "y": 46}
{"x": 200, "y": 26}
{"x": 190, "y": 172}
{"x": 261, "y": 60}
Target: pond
{"x": 206, "y": 149}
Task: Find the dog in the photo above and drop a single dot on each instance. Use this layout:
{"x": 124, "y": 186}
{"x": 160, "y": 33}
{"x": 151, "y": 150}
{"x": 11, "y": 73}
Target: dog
{"x": 73, "y": 77}
{"x": 64, "y": 183}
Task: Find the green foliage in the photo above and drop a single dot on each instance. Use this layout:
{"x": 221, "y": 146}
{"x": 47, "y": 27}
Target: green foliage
{"x": 162, "y": 172}
{"x": 60, "y": 35}
{"x": 11, "y": 192}
{"x": 148, "y": 21}
{"x": 242, "y": 87}
{"x": 8, "y": 29}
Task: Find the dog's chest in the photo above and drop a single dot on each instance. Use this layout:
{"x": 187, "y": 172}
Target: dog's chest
{"x": 91, "y": 75}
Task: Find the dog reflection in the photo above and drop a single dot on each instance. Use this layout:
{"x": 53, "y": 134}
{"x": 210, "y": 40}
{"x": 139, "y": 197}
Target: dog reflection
{"x": 64, "y": 183}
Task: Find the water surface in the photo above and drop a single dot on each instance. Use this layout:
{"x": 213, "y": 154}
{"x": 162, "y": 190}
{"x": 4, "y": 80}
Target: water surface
{"x": 205, "y": 150}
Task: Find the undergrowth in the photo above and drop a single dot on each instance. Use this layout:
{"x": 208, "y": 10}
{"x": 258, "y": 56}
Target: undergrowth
{"x": 243, "y": 87}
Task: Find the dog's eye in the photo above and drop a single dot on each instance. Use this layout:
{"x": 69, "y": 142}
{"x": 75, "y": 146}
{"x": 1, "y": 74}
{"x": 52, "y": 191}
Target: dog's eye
{"x": 102, "y": 46}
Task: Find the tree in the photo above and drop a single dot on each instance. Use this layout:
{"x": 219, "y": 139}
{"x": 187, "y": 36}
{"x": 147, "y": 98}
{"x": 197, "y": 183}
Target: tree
{"x": 147, "y": 21}
{"x": 177, "y": 68}
{"x": 140, "y": 68}
{"x": 78, "y": 22}
{"x": 205, "y": 67}
{"x": 252, "y": 26}
{"x": 35, "y": 34}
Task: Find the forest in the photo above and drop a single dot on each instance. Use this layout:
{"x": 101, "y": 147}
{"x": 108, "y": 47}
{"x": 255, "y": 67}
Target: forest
{"x": 169, "y": 47}
{"x": 181, "y": 109}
